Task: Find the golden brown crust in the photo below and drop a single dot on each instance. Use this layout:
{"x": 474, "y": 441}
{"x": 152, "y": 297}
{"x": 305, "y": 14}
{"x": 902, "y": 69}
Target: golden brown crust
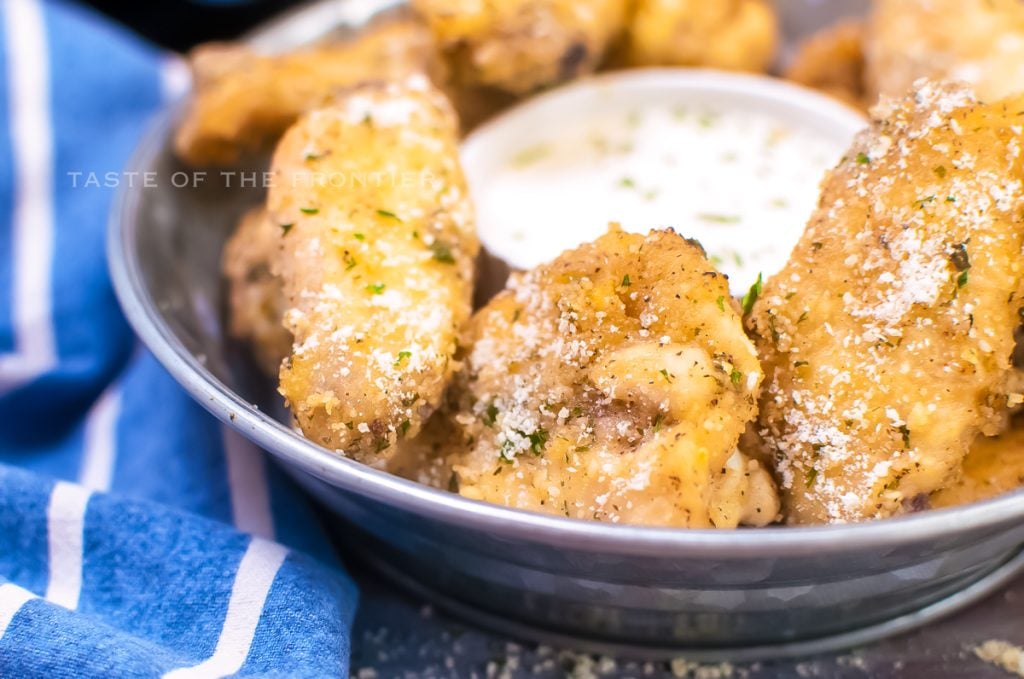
{"x": 886, "y": 339}
{"x": 520, "y": 46}
{"x": 377, "y": 264}
{"x": 243, "y": 101}
{"x": 613, "y": 384}
{"x": 976, "y": 41}
{"x": 832, "y": 61}
{"x": 255, "y": 299}
{"x": 739, "y": 35}
{"x": 994, "y": 466}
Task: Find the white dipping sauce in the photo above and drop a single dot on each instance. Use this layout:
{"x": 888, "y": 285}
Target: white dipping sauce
{"x": 742, "y": 182}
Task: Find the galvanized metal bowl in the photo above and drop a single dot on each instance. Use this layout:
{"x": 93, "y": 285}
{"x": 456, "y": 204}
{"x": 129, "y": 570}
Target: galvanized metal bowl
{"x": 631, "y": 590}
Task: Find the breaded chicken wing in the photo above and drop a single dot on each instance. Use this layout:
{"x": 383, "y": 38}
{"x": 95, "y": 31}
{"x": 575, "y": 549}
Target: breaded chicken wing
{"x": 994, "y": 466}
{"x": 519, "y": 46}
{"x": 255, "y": 299}
{"x": 377, "y": 260}
{"x": 832, "y": 61}
{"x": 243, "y": 101}
{"x": 740, "y": 35}
{"x": 886, "y": 339}
{"x": 614, "y": 384}
{"x": 980, "y": 42}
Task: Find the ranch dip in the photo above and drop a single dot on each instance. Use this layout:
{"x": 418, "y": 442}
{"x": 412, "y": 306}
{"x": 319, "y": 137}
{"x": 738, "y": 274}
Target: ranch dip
{"x": 741, "y": 182}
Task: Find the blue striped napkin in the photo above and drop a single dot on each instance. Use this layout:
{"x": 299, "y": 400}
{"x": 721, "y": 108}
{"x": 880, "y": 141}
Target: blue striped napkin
{"x": 138, "y": 537}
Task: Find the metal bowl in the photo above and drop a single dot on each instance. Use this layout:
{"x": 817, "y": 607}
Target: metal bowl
{"x": 638, "y": 591}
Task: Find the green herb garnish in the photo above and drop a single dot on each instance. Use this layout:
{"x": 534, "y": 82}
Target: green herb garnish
{"x": 402, "y": 355}
{"x": 376, "y": 288}
{"x": 862, "y": 158}
{"x": 538, "y": 440}
{"x": 442, "y": 253}
{"x": 736, "y": 376}
{"x": 721, "y": 302}
{"x": 905, "y": 433}
{"x": 285, "y": 228}
{"x": 751, "y": 297}
{"x": 719, "y": 219}
{"x": 531, "y": 155}
{"x": 491, "y": 415}
{"x": 309, "y": 210}
{"x": 388, "y": 214}
{"x": 664, "y": 373}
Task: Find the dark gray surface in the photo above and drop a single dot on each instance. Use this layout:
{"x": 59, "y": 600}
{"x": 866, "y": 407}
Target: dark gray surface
{"x": 399, "y": 636}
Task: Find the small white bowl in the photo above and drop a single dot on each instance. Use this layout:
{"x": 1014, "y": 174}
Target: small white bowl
{"x": 525, "y": 219}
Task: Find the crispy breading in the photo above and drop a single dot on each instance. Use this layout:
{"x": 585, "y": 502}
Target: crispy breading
{"x": 243, "y": 101}
{"x": 976, "y": 41}
{"x": 886, "y": 339}
{"x": 520, "y": 46}
{"x": 255, "y": 299}
{"x": 739, "y": 35}
{"x": 832, "y": 60}
{"x": 613, "y": 384}
{"x": 377, "y": 264}
{"x": 994, "y": 466}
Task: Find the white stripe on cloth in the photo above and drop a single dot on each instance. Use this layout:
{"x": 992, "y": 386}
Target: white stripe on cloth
{"x": 100, "y": 450}
{"x": 175, "y": 77}
{"x": 256, "y": 573}
{"x": 65, "y": 524}
{"x": 32, "y": 221}
{"x": 247, "y": 479}
{"x": 12, "y": 598}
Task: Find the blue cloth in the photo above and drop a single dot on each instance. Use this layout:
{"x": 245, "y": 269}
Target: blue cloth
{"x": 138, "y": 537}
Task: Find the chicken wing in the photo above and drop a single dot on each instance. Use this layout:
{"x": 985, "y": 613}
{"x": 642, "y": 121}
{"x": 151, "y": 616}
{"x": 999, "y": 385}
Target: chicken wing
{"x": 886, "y": 339}
{"x": 832, "y": 61}
{"x": 993, "y": 467}
{"x": 740, "y": 35}
{"x": 614, "y": 384}
{"x": 980, "y": 42}
{"x": 519, "y": 46}
{"x": 244, "y": 101}
{"x": 377, "y": 261}
{"x": 255, "y": 299}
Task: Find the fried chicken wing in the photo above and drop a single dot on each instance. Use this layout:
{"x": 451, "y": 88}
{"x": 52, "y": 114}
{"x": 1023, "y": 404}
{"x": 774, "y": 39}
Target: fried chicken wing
{"x": 255, "y": 299}
{"x": 244, "y": 101}
{"x": 994, "y": 466}
{"x": 832, "y": 61}
{"x": 740, "y": 35}
{"x": 886, "y": 339}
{"x": 614, "y": 384}
{"x": 976, "y": 41}
{"x": 377, "y": 260}
{"x": 519, "y": 46}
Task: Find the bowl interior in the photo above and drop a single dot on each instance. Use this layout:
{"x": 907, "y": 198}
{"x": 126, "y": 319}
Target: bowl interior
{"x": 164, "y": 249}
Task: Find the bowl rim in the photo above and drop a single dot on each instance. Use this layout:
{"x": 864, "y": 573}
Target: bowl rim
{"x": 292, "y": 449}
